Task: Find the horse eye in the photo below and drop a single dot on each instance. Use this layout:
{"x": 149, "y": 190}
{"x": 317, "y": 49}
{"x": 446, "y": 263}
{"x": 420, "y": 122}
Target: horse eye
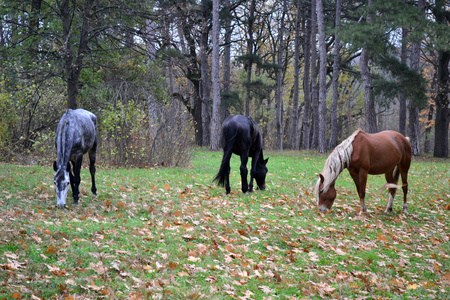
{"x": 68, "y": 183}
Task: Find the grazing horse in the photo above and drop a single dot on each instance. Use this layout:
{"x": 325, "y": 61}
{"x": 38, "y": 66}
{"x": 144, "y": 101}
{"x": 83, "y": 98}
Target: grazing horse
{"x": 76, "y": 134}
{"x": 241, "y": 136}
{"x": 387, "y": 152}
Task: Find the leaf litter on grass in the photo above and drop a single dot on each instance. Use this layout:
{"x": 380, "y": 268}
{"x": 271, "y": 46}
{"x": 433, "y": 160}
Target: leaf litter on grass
{"x": 157, "y": 235}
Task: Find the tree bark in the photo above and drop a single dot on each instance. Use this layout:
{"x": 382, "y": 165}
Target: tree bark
{"x": 215, "y": 120}
{"x": 369, "y": 101}
{"x": 206, "y": 82}
{"x": 442, "y": 103}
{"x": 227, "y": 59}
{"x": 251, "y": 20}
{"x": 322, "y": 79}
{"x": 413, "y": 128}
{"x": 401, "y": 98}
{"x": 336, "y": 61}
{"x": 306, "y": 126}
{"x": 295, "y": 137}
{"x": 280, "y": 79}
{"x": 443, "y": 89}
{"x": 314, "y": 74}
{"x": 193, "y": 75}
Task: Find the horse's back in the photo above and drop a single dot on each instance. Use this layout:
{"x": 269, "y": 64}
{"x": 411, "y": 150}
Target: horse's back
{"x": 243, "y": 131}
{"x": 380, "y": 151}
{"x": 80, "y": 126}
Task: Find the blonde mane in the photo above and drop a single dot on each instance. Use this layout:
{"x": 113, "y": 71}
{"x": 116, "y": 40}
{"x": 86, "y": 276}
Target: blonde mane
{"x": 336, "y": 162}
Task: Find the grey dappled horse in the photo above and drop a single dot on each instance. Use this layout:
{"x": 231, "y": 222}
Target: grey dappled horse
{"x": 76, "y": 135}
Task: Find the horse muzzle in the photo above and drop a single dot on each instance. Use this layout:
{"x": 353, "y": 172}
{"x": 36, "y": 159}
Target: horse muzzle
{"x": 323, "y": 208}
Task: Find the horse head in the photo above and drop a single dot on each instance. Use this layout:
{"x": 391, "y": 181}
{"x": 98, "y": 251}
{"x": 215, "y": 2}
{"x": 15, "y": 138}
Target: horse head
{"x": 325, "y": 198}
{"x": 61, "y": 181}
{"x": 260, "y": 174}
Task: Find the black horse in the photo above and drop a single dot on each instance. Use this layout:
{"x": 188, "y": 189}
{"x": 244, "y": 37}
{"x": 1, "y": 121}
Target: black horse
{"x": 76, "y": 134}
{"x": 241, "y": 136}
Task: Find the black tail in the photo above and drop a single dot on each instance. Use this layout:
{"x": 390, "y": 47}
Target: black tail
{"x": 225, "y": 165}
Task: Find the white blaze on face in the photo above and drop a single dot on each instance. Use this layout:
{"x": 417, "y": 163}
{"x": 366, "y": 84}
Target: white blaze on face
{"x": 61, "y": 187}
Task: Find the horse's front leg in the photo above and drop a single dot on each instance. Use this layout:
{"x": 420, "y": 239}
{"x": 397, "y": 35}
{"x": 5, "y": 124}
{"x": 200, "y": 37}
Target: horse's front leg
{"x": 244, "y": 172}
{"x": 362, "y": 191}
{"x": 252, "y": 173}
{"x": 76, "y": 179}
{"x": 92, "y": 171}
{"x": 360, "y": 180}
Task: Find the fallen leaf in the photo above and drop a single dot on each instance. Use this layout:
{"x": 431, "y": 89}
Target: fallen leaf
{"x": 412, "y": 286}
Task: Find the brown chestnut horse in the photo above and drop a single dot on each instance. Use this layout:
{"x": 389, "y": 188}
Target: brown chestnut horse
{"x": 387, "y": 152}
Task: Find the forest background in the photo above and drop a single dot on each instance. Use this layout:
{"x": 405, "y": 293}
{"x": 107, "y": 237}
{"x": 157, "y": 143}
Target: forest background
{"x": 162, "y": 75}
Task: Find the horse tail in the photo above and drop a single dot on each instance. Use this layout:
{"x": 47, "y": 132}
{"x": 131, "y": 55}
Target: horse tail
{"x": 225, "y": 165}
{"x": 395, "y": 176}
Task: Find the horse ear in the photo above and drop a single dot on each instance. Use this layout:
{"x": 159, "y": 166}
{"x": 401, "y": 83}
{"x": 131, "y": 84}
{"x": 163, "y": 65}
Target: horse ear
{"x": 266, "y": 160}
{"x": 321, "y": 180}
{"x": 321, "y": 177}
{"x": 54, "y": 166}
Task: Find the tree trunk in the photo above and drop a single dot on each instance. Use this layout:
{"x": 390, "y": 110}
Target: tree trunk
{"x": 227, "y": 58}
{"x": 280, "y": 80}
{"x": 413, "y": 127}
{"x": 336, "y": 61}
{"x": 369, "y": 101}
{"x": 401, "y": 99}
{"x": 295, "y": 137}
{"x": 251, "y": 20}
{"x": 74, "y": 62}
{"x": 443, "y": 89}
{"x": 426, "y": 144}
{"x": 215, "y": 121}
{"x": 370, "y": 114}
{"x": 35, "y": 11}
{"x": 314, "y": 73}
{"x": 442, "y": 110}
{"x": 193, "y": 75}
{"x": 306, "y": 126}
{"x": 322, "y": 79}
{"x": 206, "y": 82}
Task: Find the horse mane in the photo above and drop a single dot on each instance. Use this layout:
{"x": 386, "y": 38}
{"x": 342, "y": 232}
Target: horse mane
{"x": 64, "y": 141}
{"x": 336, "y": 162}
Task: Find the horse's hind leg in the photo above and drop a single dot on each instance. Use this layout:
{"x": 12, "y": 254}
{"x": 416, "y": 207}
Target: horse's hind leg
{"x": 404, "y": 174}
{"x": 227, "y": 179}
{"x": 391, "y": 177}
{"x": 76, "y": 179}
{"x": 92, "y": 171}
{"x": 244, "y": 173}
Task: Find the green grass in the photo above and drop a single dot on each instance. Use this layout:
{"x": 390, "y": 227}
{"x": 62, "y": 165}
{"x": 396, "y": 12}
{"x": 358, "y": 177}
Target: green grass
{"x": 173, "y": 234}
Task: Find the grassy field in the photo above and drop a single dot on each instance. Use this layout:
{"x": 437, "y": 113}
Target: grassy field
{"x": 173, "y": 234}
